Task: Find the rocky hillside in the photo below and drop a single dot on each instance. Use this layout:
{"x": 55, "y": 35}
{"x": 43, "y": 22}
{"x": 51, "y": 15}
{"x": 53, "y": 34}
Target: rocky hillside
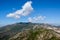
{"x": 29, "y": 31}
{"x": 36, "y": 34}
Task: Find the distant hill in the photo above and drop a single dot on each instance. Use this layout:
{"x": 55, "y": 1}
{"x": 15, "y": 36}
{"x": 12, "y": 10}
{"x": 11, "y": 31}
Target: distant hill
{"x": 8, "y": 32}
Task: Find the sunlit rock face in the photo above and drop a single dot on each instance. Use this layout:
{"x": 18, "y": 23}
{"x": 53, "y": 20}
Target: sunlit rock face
{"x": 37, "y": 34}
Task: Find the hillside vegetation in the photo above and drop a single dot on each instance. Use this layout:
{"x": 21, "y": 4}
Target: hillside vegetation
{"x": 36, "y": 34}
{"x": 28, "y": 31}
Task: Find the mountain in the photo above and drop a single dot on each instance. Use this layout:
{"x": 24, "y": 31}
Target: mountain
{"x": 23, "y": 29}
{"x": 36, "y": 34}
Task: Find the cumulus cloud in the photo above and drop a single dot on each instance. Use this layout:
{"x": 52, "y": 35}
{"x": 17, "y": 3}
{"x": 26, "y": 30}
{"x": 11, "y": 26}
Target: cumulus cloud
{"x": 36, "y": 19}
{"x": 26, "y": 9}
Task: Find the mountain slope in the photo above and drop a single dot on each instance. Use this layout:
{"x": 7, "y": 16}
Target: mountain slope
{"x": 36, "y": 34}
{"x": 9, "y": 31}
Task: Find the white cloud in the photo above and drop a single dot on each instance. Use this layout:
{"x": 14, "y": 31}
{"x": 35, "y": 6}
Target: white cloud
{"x": 13, "y": 15}
{"x": 30, "y": 19}
{"x": 36, "y": 19}
{"x": 26, "y": 9}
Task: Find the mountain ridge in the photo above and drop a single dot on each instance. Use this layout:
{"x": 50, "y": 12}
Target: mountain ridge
{"x": 11, "y": 30}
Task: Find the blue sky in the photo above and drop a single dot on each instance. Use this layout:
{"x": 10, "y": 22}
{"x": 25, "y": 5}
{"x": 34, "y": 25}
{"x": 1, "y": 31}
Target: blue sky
{"x": 48, "y": 8}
